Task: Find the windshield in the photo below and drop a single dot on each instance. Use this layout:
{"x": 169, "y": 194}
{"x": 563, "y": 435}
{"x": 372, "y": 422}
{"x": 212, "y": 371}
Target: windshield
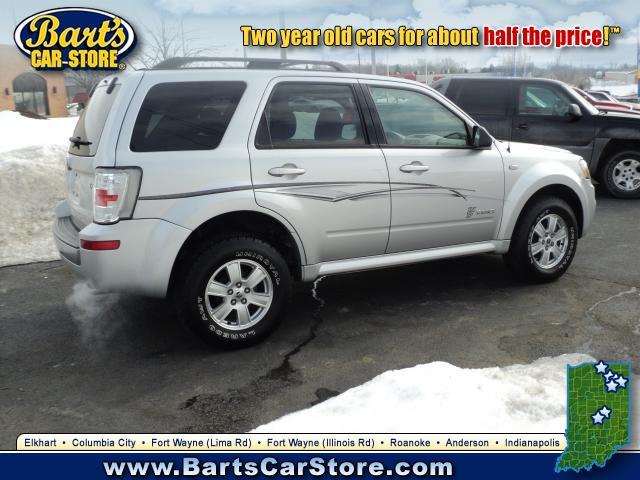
{"x": 88, "y": 131}
{"x": 600, "y": 96}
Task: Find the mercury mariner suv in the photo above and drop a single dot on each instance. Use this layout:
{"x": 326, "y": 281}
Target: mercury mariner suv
{"x": 219, "y": 187}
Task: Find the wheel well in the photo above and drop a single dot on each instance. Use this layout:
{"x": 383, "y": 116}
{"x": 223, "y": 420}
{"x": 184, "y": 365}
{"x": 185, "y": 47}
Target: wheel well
{"x": 612, "y": 147}
{"x": 563, "y": 192}
{"x": 251, "y": 223}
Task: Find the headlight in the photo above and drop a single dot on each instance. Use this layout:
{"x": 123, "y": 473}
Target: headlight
{"x": 115, "y": 192}
{"x": 585, "y": 169}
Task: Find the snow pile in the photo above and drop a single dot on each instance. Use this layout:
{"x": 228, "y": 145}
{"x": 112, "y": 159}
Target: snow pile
{"x": 617, "y": 89}
{"x": 17, "y": 131}
{"x": 441, "y": 398}
{"x": 32, "y": 156}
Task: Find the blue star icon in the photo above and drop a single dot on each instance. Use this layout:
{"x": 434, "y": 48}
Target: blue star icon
{"x": 608, "y": 375}
{"x": 605, "y": 411}
{"x": 597, "y": 418}
{"x": 601, "y": 367}
{"x": 611, "y": 386}
{"x": 621, "y": 381}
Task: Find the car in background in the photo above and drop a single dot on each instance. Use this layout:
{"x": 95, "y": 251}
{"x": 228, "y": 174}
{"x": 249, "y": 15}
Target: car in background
{"x": 607, "y": 97}
{"x": 549, "y": 112}
{"x": 606, "y": 106}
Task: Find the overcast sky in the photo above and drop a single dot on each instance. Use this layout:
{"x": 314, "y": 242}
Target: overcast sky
{"x": 216, "y": 23}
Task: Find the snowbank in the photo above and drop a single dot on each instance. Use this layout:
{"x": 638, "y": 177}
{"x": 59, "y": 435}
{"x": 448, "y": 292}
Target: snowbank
{"x": 441, "y": 398}
{"x": 17, "y": 131}
{"x": 32, "y": 156}
{"x": 617, "y": 89}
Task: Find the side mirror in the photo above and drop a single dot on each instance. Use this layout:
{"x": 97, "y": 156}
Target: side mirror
{"x": 574, "y": 112}
{"x": 480, "y": 138}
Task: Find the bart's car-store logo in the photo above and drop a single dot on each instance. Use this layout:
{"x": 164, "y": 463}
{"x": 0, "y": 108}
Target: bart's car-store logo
{"x": 77, "y": 38}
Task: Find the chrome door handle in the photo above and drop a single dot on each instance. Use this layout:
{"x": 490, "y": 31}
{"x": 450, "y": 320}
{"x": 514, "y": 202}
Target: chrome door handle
{"x": 287, "y": 169}
{"x": 414, "y": 167}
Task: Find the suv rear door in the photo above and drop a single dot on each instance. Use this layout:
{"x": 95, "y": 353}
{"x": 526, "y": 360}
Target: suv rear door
{"x": 487, "y": 101}
{"x": 84, "y": 156}
{"x": 94, "y": 142}
{"x": 312, "y": 163}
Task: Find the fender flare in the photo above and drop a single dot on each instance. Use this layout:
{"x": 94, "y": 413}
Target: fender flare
{"x": 540, "y": 176}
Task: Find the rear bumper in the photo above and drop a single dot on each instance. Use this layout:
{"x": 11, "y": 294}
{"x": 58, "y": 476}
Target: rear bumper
{"x": 142, "y": 264}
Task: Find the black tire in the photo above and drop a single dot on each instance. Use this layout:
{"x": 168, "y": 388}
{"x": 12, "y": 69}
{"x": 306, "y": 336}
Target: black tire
{"x": 190, "y": 296}
{"x": 520, "y": 259}
{"x": 611, "y": 167}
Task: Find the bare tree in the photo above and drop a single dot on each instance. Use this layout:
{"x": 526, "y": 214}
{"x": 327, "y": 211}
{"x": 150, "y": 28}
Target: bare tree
{"x": 86, "y": 80}
{"x": 447, "y": 65}
{"x": 166, "y": 41}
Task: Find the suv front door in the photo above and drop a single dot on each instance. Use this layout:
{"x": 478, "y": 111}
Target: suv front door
{"x": 443, "y": 192}
{"x": 541, "y": 116}
{"x": 313, "y": 164}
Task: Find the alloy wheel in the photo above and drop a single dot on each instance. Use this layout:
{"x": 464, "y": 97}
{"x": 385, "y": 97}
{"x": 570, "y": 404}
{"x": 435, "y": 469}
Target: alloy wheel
{"x": 238, "y": 295}
{"x": 548, "y": 241}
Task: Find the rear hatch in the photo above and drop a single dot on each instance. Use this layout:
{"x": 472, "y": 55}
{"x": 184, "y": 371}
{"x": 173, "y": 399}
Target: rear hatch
{"x": 83, "y": 155}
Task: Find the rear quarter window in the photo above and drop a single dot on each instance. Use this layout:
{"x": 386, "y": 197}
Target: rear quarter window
{"x": 185, "y": 116}
{"x": 483, "y": 97}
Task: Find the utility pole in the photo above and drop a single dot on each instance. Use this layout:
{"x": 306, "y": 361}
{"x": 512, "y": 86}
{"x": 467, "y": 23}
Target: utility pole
{"x": 283, "y": 51}
{"x": 182, "y": 35}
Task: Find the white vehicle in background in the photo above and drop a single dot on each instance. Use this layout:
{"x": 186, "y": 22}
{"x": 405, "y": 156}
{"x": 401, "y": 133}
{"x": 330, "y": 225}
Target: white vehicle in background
{"x": 74, "y": 109}
{"x": 219, "y": 187}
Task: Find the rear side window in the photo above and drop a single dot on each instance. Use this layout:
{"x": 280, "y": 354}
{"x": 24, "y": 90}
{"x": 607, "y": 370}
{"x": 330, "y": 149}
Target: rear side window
{"x": 480, "y": 97}
{"x": 185, "y": 116}
{"x": 311, "y": 115}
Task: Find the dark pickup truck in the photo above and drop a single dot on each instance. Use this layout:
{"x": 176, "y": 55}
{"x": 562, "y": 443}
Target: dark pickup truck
{"x": 548, "y": 112}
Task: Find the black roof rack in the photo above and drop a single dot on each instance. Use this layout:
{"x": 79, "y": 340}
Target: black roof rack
{"x": 255, "y": 63}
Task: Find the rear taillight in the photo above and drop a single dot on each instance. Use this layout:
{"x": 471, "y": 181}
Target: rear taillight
{"x": 114, "y": 193}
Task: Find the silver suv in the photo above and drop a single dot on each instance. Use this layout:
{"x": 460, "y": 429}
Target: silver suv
{"x": 218, "y": 187}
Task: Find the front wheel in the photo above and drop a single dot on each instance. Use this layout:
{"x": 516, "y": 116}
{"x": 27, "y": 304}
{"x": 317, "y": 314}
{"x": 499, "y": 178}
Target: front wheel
{"x": 544, "y": 241}
{"x": 234, "y": 292}
{"x": 621, "y": 175}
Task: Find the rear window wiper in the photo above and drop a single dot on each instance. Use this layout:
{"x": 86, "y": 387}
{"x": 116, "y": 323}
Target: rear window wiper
{"x": 77, "y": 141}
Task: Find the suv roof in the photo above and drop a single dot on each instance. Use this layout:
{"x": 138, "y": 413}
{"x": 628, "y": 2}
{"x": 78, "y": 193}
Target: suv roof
{"x": 248, "y": 62}
{"x": 270, "y": 67}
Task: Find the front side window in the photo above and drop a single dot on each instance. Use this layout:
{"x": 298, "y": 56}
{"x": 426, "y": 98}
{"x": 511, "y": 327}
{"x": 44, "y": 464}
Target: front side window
{"x": 411, "y": 118}
{"x": 541, "y": 100}
{"x": 185, "y": 116}
{"x": 311, "y": 115}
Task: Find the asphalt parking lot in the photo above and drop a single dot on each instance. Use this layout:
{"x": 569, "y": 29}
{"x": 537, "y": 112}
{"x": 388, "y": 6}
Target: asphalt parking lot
{"x": 124, "y": 364}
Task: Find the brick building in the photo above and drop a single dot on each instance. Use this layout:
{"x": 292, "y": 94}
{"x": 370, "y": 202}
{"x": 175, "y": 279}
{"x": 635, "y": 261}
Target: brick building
{"x": 25, "y": 89}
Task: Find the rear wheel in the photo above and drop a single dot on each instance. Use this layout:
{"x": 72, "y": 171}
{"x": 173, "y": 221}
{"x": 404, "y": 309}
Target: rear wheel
{"x": 544, "y": 241}
{"x": 234, "y": 292}
{"x": 621, "y": 175}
